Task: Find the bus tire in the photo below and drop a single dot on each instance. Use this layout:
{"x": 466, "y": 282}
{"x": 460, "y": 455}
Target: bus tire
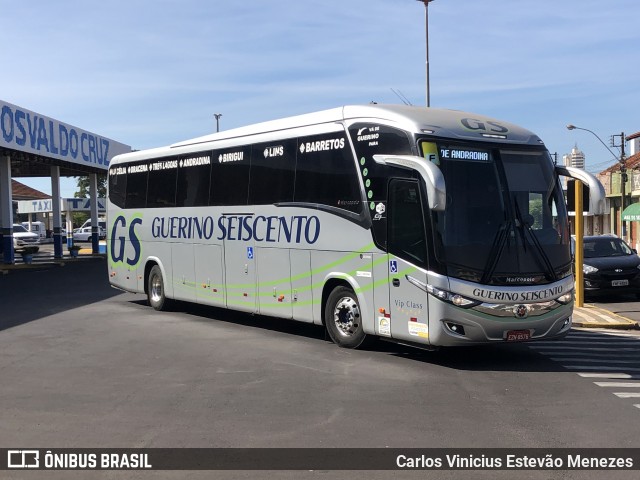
{"x": 343, "y": 319}
{"x": 155, "y": 290}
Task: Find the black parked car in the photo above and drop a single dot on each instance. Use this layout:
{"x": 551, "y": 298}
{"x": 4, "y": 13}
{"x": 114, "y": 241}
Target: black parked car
{"x": 610, "y": 266}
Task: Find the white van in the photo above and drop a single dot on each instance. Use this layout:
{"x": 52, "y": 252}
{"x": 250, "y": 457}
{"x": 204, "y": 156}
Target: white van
{"x": 38, "y": 228}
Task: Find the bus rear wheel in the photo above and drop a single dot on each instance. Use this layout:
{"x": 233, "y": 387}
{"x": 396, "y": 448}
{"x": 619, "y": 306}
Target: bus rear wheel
{"x": 343, "y": 319}
{"x": 155, "y": 290}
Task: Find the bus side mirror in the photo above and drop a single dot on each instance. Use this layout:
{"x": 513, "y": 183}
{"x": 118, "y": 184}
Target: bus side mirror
{"x": 596, "y": 190}
{"x": 430, "y": 173}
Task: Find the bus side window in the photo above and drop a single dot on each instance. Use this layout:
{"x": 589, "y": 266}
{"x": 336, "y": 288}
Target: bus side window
{"x": 137, "y": 185}
{"x": 193, "y": 181}
{"x": 272, "y": 172}
{"x": 117, "y": 187}
{"x": 230, "y": 176}
{"x": 368, "y": 140}
{"x": 161, "y": 187}
{"x": 406, "y": 237}
{"x": 327, "y": 176}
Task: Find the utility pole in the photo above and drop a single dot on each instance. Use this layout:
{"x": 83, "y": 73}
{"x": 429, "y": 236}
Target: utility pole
{"x": 623, "y": 179}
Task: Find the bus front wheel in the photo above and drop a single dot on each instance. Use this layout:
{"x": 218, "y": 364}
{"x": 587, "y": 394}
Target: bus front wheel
{"x": 343, "y": 318}
{"x": 155, "y": 289}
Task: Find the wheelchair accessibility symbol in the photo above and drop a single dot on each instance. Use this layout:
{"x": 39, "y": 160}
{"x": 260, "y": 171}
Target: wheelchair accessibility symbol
{"x": 393, "y": 266}
{"x": 250, "y": 253}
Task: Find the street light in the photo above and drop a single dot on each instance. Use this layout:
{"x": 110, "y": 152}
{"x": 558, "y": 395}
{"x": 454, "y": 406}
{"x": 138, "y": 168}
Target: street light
{"x": 217, "y": 115}
{"x": 426, "y": 21}
{"x": 623, "y": 169}
{"x": 573, "y": 127}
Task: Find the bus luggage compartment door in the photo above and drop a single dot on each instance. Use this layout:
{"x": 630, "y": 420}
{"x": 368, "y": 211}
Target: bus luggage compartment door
{"x": 274, "y": 282}
{"x": 183, "y": 276}
{"x": 209, "y": 275}
{"x": 240, "y": 275}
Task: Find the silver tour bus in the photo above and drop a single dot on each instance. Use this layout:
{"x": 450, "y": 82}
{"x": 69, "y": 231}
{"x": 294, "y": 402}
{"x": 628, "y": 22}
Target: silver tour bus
{"x": 422, "y": 226}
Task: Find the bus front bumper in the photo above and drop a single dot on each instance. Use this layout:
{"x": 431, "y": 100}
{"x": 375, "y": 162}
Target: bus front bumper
{"x": 460, "y": 326}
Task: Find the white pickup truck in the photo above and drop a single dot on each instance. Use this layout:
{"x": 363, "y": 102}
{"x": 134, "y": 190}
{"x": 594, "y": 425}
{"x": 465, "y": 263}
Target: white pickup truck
{"x": 24, "y": 238}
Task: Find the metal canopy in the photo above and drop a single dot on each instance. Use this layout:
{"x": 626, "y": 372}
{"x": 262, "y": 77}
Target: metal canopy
{"x": 25, "y": 164}
{"x": 35, "y": 143}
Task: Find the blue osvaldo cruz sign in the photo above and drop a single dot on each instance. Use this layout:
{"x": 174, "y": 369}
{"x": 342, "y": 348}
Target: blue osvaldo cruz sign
{"x": 27, "y": 131}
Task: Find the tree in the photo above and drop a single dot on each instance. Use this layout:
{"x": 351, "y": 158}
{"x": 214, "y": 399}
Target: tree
{"x": 84, "y": 184}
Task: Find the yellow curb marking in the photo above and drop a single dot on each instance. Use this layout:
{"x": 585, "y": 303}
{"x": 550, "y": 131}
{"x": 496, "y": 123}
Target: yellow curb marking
{"x": 589, "y": 312}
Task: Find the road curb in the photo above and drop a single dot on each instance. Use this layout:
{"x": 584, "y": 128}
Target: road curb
{"x": 590, "y": 316}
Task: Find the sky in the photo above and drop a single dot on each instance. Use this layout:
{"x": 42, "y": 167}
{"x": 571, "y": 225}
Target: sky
{"x": 151, "y": 73}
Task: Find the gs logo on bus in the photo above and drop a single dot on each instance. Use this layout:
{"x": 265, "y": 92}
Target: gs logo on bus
{"x": 119, "y": 243}
{"x": 486, "y": 126}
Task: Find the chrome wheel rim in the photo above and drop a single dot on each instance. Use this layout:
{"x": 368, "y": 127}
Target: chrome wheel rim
{"x": 156, "y": 288}
{"x": 346, "y": 316}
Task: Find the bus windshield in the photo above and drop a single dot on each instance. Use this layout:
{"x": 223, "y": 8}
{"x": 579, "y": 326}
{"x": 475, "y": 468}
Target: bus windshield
{"x": 505, "y": 222}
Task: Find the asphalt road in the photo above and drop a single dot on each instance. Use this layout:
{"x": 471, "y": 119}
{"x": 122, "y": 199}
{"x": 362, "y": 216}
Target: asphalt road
{"x": 84, "y": 365}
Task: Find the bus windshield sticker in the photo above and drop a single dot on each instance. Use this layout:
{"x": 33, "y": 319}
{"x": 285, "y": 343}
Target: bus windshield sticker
{"x": 369, "y": 134}
{"x": 465, "y": 154}
{"x": 430, "y": 152}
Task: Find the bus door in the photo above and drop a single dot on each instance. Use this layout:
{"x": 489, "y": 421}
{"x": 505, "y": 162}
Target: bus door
{"x": 407, "y": 260}
{"x": 239, "y": 266}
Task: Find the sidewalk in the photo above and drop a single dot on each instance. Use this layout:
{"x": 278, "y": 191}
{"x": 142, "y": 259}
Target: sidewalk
{"x": 590, "y": 316}
{"x": 46, "y": 260}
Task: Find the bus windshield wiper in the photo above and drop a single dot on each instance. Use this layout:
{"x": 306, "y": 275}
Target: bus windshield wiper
{"x": 526, "y": 228}
{"x": 496, "y": 251}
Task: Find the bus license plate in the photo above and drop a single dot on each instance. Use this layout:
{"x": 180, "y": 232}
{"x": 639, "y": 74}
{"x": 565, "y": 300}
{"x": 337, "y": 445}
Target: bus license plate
{"x": 619, "y": 283}
{"x": 518, "y": 335}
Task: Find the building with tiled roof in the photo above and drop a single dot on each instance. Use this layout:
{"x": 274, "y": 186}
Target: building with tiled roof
{"x": 20, "y": 191}
{"x": 611, "y": 179}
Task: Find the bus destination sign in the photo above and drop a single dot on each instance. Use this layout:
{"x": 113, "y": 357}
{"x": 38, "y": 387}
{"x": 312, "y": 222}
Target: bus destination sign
{"x": 464, "y": 154}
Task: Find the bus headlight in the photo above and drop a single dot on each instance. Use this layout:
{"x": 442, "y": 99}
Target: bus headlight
{"x": 566, "y": 298}
{"x": 452, "y": 298}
